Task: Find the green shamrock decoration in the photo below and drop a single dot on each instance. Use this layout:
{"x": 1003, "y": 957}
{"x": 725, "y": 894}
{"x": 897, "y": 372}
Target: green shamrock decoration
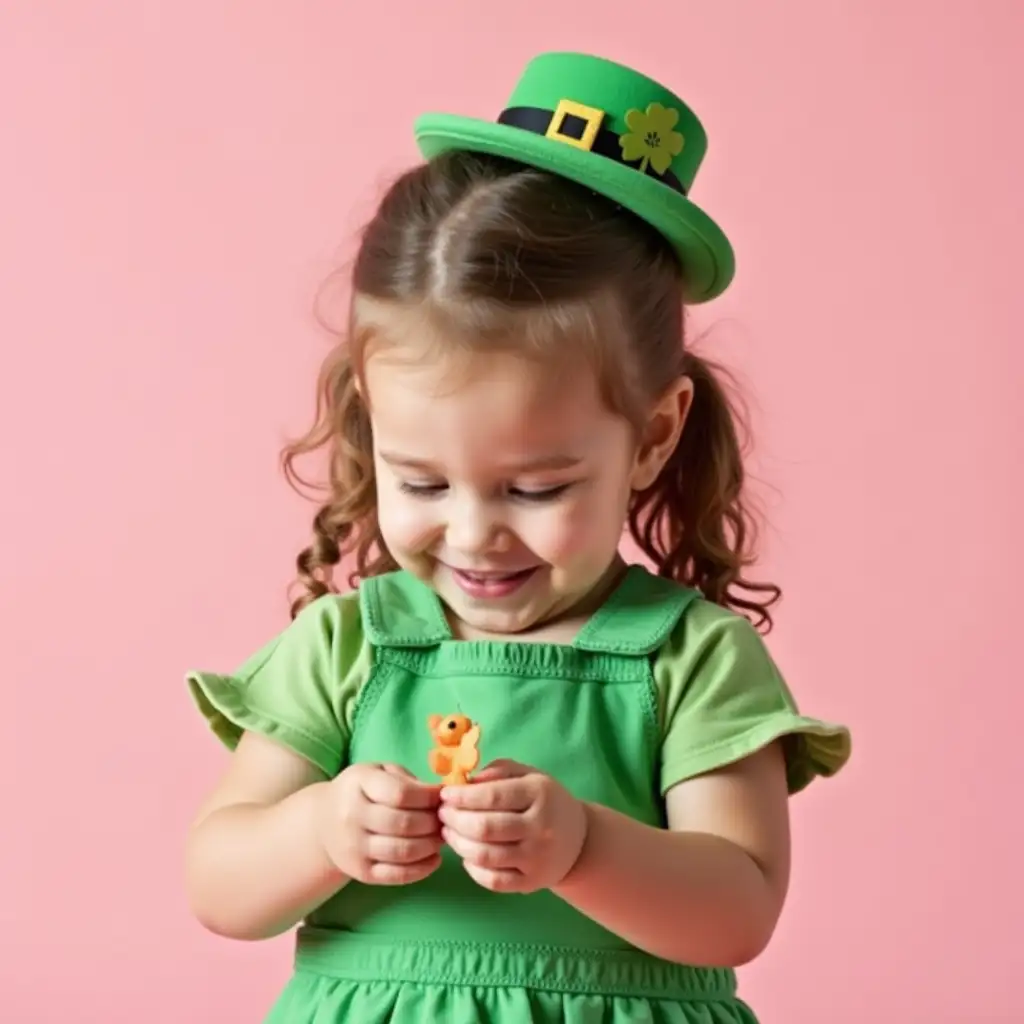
{"x": 652, "y": 138}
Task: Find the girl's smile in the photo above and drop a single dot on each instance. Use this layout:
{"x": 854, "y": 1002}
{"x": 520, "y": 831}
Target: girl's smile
{"x": 490, "y": 586}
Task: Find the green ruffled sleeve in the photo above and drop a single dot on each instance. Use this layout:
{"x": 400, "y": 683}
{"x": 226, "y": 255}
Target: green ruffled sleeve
{"x": 721, "y": 698}
{"x": 299, "y": 689}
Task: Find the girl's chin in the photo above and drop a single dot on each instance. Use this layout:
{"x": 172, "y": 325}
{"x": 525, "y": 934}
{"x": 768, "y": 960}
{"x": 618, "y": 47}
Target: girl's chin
{"x": 490, "y": 616}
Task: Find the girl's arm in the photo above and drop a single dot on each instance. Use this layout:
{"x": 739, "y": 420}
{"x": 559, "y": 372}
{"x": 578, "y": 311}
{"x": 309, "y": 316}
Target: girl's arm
{"x": 255, "y": 865}
{"x": 709, "y": 890}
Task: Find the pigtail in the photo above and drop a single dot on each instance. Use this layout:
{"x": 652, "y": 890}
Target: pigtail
{"x": 347, "y": 522}
{"x": 695, "y": 522}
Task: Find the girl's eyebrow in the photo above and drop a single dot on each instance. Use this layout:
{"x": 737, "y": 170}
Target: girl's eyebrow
{"x": 544, "y": 462}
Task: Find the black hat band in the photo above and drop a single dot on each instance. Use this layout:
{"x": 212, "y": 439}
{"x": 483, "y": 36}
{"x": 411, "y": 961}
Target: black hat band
{"x": 573, "y": 129}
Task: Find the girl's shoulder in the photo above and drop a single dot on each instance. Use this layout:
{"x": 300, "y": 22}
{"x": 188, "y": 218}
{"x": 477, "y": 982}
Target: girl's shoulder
{"x": 704, "y": 627}
{"x": 721, "y": 696}
{"x": 299, "y": 688}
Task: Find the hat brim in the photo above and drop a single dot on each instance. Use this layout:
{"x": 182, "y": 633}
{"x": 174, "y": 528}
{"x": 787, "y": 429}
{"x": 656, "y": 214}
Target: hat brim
{"x": 704, "y": 251}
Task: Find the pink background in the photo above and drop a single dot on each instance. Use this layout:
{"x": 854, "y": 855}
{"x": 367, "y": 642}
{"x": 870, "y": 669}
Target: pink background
{"x": 175, "y": 180}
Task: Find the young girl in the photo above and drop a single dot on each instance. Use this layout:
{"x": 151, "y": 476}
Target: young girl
{"x": 513, "y": 390}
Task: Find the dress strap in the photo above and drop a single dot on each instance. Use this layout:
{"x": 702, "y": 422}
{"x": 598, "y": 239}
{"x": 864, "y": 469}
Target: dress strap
{"x": 400, "y": 611}
{"x": 638, "y": 616}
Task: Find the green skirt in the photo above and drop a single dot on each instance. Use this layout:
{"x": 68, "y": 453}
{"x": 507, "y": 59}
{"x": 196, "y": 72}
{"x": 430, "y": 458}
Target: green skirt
{"x": 344, "y": 977}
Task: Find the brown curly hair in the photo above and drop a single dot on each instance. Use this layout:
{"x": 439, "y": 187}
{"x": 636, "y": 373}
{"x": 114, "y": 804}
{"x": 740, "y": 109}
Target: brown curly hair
{"x": 502, "y": 255}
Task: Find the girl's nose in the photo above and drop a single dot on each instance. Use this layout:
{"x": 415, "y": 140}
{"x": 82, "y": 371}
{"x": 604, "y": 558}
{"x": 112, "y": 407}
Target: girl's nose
{"x": 474, "y": 529}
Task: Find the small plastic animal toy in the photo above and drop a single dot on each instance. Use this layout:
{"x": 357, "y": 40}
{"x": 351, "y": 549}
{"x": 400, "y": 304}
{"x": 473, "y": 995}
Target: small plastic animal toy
{"x": 455, "y": 754}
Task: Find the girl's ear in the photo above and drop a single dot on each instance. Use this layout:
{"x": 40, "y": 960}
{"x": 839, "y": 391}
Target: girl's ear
{"x": 661, "y": 434}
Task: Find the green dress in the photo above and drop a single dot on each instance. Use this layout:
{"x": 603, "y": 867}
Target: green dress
{"x": 659, "y": 686}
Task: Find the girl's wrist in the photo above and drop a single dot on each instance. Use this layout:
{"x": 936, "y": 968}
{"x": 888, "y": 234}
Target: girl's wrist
{"x": 587, "y": 819}
{"x": 317, "y": 807}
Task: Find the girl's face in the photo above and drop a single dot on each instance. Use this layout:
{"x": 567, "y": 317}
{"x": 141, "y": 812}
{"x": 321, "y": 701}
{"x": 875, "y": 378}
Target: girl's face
{"x": 501, "y": 483}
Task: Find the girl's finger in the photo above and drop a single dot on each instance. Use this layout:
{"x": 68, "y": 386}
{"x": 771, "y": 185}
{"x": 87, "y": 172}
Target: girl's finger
{"x": 485, "y": 826}
{"x": 498, "y": 881}
{"x": 394, "y": 821}
{"x": 515, "y": 794}
{"x": 503, "y": 768}
{"x": 398, "y": 850}
{"x": 383, "y": 873}
{"x": 394, "y": 789}
{"x": 496, "y": 856}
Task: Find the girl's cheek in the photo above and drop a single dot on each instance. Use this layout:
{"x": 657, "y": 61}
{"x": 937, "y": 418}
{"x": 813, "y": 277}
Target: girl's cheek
{"x": 406, "y": 525}
{"x": 565, "y": 534}
{"x": 590, "y": 524}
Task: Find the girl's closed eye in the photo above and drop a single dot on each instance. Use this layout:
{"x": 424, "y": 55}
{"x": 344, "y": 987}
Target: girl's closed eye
{"x": 422, "y": 490}
{"x": 541, "y": 494}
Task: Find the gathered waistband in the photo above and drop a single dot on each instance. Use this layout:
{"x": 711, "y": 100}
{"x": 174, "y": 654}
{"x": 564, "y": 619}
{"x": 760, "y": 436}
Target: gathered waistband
{"x": 358, "y": 957}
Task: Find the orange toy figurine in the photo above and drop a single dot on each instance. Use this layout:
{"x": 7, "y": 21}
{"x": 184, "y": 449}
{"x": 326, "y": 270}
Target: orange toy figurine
{"x": 456, "y": 754}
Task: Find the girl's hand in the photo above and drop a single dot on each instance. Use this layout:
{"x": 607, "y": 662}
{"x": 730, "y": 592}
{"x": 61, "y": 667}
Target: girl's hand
{"x": 379, "y": 825}
{"x": 516, "y": 829}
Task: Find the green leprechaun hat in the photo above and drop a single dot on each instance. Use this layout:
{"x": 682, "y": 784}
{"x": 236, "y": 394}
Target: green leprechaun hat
{"x": 615, "y": 131}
